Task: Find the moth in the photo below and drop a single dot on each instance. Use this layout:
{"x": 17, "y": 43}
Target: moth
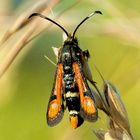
{"x": 70, "y": 82}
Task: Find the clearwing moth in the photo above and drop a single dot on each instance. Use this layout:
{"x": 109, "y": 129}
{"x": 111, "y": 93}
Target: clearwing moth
{"x": 70, "y": 82}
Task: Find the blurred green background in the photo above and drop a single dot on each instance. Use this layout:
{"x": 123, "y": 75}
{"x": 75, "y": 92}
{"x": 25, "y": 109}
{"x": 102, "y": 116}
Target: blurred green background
{"x": 114, "y": 45}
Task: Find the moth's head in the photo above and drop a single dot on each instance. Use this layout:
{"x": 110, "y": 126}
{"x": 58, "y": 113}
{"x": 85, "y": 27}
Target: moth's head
{"x": 69, "y": 39}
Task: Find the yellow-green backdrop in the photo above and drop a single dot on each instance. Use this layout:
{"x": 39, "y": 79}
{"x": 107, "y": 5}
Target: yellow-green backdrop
{"x": 113, "y": 42}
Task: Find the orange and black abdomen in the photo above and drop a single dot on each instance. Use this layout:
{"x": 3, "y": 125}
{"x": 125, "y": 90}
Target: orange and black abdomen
{"x": 70, "y": 89}
{"x": 72, "y": 96}
{"x": 73, "y": 104}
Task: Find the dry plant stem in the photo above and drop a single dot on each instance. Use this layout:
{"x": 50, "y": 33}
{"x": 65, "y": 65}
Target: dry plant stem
{"x": 22, "y": 41}
{"x": 26, "y": 38}
{"x": 22, "y": 21}
{"x": 14, "y": 52}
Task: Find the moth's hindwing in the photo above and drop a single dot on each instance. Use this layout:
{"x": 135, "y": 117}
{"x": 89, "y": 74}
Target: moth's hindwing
{"x": 55, "y": 106}
{"x": 88, "y": 109}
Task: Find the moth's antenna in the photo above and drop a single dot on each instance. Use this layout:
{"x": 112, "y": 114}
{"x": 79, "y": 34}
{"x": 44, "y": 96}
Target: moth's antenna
{"x": 42, "y": 16}
{"x": 96, "y": 12}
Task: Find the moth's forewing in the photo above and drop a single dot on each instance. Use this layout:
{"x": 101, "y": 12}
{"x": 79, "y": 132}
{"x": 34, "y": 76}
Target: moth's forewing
{"x": 55, "y": 107}
{"x": 88, "y": 107}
